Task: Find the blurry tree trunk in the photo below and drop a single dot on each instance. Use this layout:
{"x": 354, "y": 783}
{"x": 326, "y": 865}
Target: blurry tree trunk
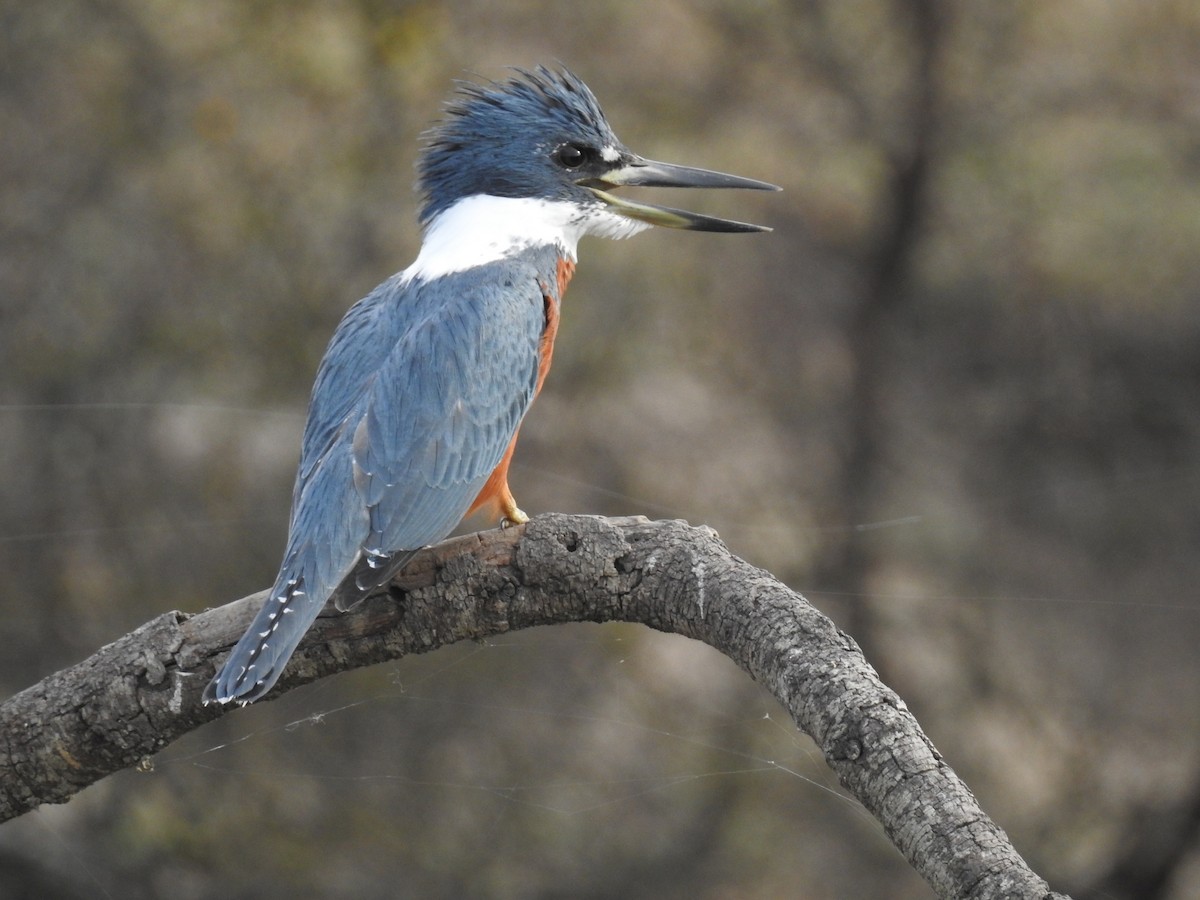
{"x": 846, "y": 563}
{"x": 133, "y": 697}
{"x": 1161, "y": 841}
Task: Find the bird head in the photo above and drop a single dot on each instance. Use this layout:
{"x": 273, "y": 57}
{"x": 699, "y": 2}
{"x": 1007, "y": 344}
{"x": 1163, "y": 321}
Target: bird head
{"x": 541, "y": 135}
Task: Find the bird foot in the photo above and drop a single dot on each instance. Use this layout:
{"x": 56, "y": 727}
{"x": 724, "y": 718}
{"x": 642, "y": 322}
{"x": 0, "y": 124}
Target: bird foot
{"x": 513, "y": 516}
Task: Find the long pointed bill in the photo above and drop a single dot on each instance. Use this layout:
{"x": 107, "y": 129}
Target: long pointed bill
{"x": 647, "y": 173}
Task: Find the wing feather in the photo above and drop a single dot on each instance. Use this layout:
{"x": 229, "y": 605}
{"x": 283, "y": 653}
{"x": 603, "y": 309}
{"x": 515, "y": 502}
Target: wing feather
{"x": 418, "y": 396}
{"x": 443, "y": 409}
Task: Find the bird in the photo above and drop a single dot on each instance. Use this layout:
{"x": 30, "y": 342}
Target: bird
{"x": 420, "y": 395}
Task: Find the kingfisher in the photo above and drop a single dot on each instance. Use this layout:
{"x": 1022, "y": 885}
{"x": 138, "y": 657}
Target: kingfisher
{"x": 418, "y": 400}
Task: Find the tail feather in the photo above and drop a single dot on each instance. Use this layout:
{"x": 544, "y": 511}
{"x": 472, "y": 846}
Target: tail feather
{"x": 373, "y": 570}
{"x": 259, "y": 657}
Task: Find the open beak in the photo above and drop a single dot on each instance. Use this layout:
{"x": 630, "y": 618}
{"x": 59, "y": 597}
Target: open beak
{"x": 648, "y": 173}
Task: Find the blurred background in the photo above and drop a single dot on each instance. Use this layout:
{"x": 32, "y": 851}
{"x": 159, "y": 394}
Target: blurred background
{"x": 954, "y": 399}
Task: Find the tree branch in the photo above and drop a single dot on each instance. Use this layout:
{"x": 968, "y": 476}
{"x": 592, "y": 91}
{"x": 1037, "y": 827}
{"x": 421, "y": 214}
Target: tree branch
{"x": 141, "y": 692}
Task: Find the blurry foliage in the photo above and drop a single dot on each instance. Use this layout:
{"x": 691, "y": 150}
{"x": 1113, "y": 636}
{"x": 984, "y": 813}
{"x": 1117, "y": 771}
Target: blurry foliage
{"x": 192, "y": 194}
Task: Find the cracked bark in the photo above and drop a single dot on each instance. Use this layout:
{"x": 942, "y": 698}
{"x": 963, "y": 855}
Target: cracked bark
{"x": 133, "y": 697}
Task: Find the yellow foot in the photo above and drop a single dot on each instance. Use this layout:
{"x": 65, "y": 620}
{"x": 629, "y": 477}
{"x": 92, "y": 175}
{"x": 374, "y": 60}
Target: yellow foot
{"x": 513, "y": 516}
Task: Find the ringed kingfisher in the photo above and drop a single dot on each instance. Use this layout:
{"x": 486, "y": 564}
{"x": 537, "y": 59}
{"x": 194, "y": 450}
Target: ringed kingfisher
{"x": 417, "y": 403}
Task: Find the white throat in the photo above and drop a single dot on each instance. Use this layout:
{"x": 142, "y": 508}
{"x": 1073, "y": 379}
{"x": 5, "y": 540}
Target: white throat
{"x": 482, "y": 228}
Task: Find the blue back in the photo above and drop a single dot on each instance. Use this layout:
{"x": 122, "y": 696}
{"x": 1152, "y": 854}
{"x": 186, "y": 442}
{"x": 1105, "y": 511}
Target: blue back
{"x": 418, "y": 396}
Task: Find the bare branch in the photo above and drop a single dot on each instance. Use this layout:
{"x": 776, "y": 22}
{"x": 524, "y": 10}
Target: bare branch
{"x": 138, "y": 694}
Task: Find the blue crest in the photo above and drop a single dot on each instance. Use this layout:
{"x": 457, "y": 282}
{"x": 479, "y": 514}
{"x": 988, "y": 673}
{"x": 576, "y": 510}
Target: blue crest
{"x": 497, "y": 139}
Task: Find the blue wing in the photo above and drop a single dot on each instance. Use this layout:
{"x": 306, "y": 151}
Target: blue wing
{"x": 418, "y": 396}
{"x": 444, "y": 407}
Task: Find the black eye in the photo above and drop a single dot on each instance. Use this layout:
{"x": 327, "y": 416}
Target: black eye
{"x": 571, "y": 156}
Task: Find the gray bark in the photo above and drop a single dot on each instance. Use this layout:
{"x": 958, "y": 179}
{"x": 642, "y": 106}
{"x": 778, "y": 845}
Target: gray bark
{"x": 141, "y": 692}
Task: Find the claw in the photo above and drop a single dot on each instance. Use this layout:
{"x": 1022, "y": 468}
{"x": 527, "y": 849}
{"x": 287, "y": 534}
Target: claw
{"x": 513, "y": 515}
